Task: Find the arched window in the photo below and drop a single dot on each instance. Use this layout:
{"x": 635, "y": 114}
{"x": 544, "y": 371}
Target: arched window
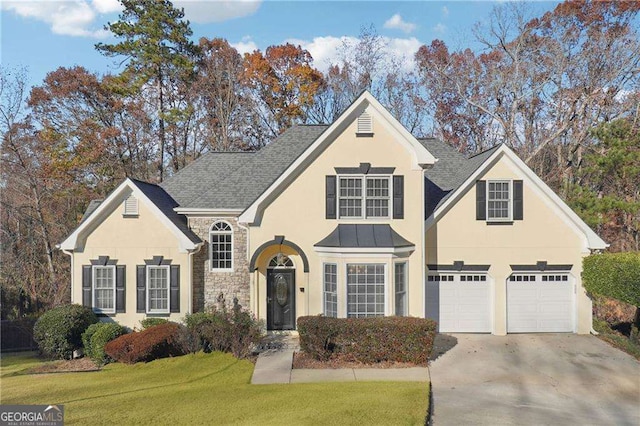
{"x": 281, "y": 261}
{"x": 221, "y": 246}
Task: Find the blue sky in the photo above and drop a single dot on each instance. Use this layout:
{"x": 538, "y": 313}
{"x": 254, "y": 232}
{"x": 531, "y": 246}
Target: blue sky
{"x": 44, "y": 35}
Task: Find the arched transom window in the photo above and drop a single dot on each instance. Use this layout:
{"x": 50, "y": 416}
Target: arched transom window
{"x": 281, "y": 261}
{"x": 221, "y": 246}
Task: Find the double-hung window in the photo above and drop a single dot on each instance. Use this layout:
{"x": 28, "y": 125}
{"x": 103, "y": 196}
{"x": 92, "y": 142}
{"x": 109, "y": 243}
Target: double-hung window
{"x": 499, "y": 200}
{"x": 158, "y": 289}
{"x": 364, "y": 197}
{"x": 221, "y": 246}
{"x": 400, "y": 278}
{"x": 365, "y": 290}
{"x": 331, "y": 290}
{"x": 104, "y": 289}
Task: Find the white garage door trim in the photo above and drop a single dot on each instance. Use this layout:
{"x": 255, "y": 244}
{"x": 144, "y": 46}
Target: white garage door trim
{"x": 460, "y": 302}
{"x": 541, "y": 302}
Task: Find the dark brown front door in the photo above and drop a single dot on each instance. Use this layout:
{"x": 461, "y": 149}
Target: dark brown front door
{"x": 281, "y": 299}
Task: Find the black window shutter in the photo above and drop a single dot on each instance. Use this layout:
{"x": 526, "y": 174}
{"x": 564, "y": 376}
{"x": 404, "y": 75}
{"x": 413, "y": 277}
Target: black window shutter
{"x": 517, "y": 200}
{"x": 121, "y": 277}
{"x": 398, "y": 197}
{"x": 87, "y": 286}
{"x": 331, "y": 198}
{"x": 174, "y": 287}
{"x": 481, "y": 200}
{"x": 141, "y": 288}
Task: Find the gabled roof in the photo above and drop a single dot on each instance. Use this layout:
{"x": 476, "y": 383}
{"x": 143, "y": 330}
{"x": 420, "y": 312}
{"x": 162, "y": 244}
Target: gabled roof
{"x": 451, "y": 170}
{"x": 471, "y": 169}
{"x": 237, "y": 180}
{"x": 157, "y": 200}
{"x": 420, "y": 155}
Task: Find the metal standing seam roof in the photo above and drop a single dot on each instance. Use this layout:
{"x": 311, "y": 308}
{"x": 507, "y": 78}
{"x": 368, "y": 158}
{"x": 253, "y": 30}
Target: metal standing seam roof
{"x": 364, "y": 236}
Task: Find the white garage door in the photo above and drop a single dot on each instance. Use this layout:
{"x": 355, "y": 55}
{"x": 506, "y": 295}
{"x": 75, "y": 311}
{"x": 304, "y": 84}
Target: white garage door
{"x": 540, "y": 303}
{"x": 459, "y": 302}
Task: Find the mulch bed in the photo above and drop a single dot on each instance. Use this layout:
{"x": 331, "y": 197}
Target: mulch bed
{"x": 69, "y": 366}
{"x": 303, "y": 360}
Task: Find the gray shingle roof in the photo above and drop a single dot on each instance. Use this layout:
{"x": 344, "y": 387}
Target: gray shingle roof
{"x": 166, "y": 204}
{"x": 364, "y": 236}
{"x": 449, "y": 172}
{"x": 203, "y": 174}
{"x": 235, "y": 181}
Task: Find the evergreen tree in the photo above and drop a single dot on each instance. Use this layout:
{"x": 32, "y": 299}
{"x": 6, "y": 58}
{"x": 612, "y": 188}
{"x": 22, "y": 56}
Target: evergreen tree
{"x": 158, "y": 56}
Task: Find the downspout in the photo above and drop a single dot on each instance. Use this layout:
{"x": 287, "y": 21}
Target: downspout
{"x": 70, "y": 254}
{"x": 247, "y": 256}
{"x": 423, "y": 237}
{"x": 190, "y": 300}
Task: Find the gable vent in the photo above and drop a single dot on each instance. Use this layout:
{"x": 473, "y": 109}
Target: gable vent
{"x": 365, "y": 125}
{"x": 131, "y": 206}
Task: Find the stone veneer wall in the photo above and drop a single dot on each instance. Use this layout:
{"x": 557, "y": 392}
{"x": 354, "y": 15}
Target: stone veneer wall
{"x": 207, "y": 285}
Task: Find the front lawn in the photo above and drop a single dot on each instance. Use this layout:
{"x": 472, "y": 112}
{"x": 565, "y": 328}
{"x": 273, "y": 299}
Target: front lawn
{"x": 207, "y": 389}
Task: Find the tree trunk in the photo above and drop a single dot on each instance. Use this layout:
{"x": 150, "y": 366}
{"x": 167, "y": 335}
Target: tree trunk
{"x": 161, "y": 126}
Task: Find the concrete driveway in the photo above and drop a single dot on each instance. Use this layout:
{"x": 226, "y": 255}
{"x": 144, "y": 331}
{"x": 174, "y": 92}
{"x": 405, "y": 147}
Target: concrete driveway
{"x": 552, "y": 379}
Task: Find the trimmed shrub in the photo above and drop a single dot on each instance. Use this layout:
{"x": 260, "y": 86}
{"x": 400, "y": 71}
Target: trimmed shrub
{"x": 615, "y": 275}
{"x": 97, "y": 336}
{"x": 58, "y": 331}
{"x": 160, "y": 341}
{"x": 236, "y": 331}
{"x": 368, "y": 340}
{"x": 151, "y": 322}
{"x": 86, "y": 338}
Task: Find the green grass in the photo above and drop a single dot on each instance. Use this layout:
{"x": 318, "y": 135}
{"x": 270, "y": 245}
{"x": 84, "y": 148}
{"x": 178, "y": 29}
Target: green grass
{"x": 616, "y": 339}
{"x": 207, "y": 389}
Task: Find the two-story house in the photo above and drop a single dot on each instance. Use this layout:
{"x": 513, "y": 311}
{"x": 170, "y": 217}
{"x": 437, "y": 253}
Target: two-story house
{"x": 353, "y": 219}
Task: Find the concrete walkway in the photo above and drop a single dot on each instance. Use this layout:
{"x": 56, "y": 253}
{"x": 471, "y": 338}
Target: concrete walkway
{"x": 274, "y": 365}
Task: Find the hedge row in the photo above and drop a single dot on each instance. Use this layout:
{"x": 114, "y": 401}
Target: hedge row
{"x": 367, "y": 340}
{"x": 161, "y": 341}
{"x": 615, "y": 275}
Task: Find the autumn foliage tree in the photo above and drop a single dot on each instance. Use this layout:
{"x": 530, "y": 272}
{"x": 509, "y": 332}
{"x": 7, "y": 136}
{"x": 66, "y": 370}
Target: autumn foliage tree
{"x": 283, "y": 83}
{"x": 539, "y": 83}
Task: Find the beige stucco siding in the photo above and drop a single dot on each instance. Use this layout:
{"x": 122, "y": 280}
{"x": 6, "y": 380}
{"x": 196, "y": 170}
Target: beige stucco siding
{"x": 298, "y": 213}
{"x": 544, "y": 234}
{"x": 131, "y": 240}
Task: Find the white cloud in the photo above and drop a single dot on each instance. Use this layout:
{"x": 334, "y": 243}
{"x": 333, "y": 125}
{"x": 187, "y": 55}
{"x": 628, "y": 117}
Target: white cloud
{"x": 107, "y": 6}
{"x": 74, "y": 18}
{"x": 440, "y": 28}
{"x": 246, "y": 45}
{"x": 81, "y": 18}
{"x": 202, "y": 12}
{"x": 396, "y": 22}
{"x": 445, "y": 11}
{"x": 326, "y": 50}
